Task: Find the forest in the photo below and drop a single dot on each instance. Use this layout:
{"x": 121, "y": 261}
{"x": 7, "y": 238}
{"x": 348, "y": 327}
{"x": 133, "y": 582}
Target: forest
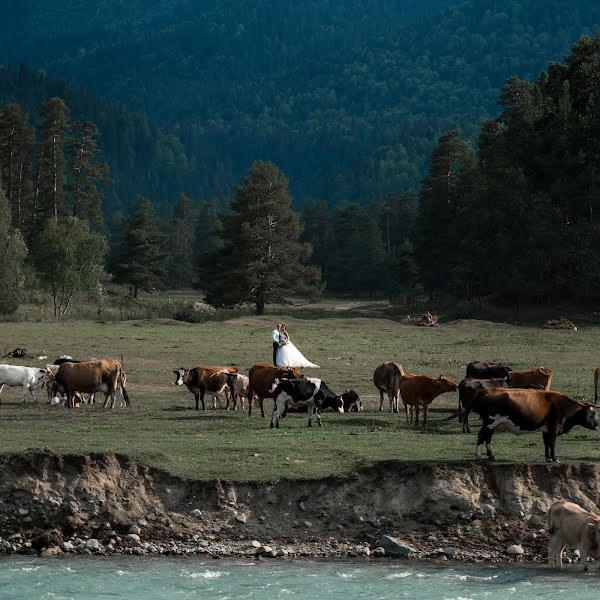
{"x": 347, "y": 97}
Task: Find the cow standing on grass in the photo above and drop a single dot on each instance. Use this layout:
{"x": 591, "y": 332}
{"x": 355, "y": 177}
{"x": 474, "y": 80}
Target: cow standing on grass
{"x": 29, "y": 379}
{"x": 528, "y": 411}
{"x": 92, "y": 376}
{"x": 200, "y": 380}
{"x": 238, "y": 386}
{"x": 387, "y": 379}
{"x": 420, "y": 391}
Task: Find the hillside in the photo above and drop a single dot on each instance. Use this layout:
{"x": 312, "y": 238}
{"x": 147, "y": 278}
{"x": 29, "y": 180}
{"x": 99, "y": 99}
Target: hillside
{"x": 347, "y": 97}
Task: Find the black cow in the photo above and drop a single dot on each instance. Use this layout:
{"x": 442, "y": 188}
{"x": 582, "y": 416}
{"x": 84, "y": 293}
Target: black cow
{"x": 487, "y": 370}
{"x": 309, "y": 392}
{"x": 528, "y": 411}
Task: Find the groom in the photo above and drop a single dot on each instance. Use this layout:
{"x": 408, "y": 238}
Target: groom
{"x": 278, "y": 340}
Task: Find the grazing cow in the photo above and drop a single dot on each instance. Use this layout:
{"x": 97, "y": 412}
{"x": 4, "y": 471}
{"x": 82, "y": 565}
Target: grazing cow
{"x": 387, "y": 379}
{"x": 261, "y": 378}
{"x": 91, "y": 376}
{"x": 352, "y": 403}
{"x": 487, "y": 370}
{"x": 528, "y": 411}
{"x": 421, "y": 390}
{"x": 572, "y": 526}
{"x": 540, "y": 376}
{"x": 238, "y": 386}
{"x": 200, "y": 380}
{"x": 308, "y": 392}
{"x": 28, "y": 378}
{"x": 467, "y": 390}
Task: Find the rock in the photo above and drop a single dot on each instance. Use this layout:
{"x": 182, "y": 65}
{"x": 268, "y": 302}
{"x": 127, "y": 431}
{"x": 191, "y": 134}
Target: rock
{"x": 307, "y": 524}
{"x": 142, "y": 522}
{"x": 22, "y": 511}
{"x": 515, "y": 550}
{"x": 51, "y": 551}
{"x": 449, "y": 552}
{"x": 67, "y": 547}
{"x": 135, "y": 529}
{"x": 271, "y": 554}
{"x": 93, "y": 545}
{"x": 394, "y": 547}
{"x": 379, "y": 551}
{"x": 488, "y": 510}
{"x": 282, "y": 552}
{"x": 134, "y": 538}
{"x": 256, "y": 543}
{"x": 241, "y": 519}
{"x": 302, "y": 506}
{"x": 47, "y": 539}
{"x": 196, "y": 513}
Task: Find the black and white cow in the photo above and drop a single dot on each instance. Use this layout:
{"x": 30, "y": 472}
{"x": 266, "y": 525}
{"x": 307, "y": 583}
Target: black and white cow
{"x": 352, "y": 402}
{"x": 529, "y": 411}
{"x": 309, "y": 392}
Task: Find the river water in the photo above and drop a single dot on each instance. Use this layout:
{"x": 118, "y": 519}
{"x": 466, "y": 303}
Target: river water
{"x": 183, "y": 579}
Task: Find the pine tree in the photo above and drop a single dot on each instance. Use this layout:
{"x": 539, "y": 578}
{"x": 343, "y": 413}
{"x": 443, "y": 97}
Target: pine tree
{"x": 13, "y": 253}
{"x": 49, "y": 184}
{"x": 142, "y": 256}
{"x": 16, "y": 140}
{"x": 86, "y": 172}
{"x": 182, "y": 229}
{"x": 261, "y": 260}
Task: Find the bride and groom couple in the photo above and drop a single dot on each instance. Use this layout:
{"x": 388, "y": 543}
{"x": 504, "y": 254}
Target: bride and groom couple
{"x": 285, "y": 354}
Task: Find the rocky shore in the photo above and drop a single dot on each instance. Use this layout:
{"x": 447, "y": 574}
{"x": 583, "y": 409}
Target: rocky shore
{"x": 105, "y": 505}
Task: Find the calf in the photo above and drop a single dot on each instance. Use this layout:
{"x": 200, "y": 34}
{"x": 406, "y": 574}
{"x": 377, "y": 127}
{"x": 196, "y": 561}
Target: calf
{"x": 199, "y": 380}
{"x": 386, "y": 378}
{"x": 528, "y": 411}
{"x": 238, "y": 386}
{"x": 352, "y": 403}
{"x": 308, "y": 392}
{"x": 572, "y": 526}
{"x": 421, "y": 390}
{"x": 540, "y": 376}
{"x": 487, "y": 370}
{"x": 28, "y": 378}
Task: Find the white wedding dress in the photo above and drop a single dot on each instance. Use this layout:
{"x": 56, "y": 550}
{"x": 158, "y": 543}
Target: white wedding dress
{"x": 289, "y": 356}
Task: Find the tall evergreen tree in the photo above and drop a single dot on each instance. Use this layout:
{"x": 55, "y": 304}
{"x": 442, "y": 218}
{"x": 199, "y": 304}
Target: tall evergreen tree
{"x": 142, "y": 256}
{"x": 182, "y": 230}
{"x": 13, "y": 253}
{"x": 261, "y": 260}
{"x": 49, "y": 184}
{"x": 16, "y": 140}
{"x": 86, "y": 172}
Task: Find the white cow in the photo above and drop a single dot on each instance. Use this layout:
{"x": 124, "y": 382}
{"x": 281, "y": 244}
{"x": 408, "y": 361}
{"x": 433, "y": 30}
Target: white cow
{"x": 238, "y": 385}
{"x": 28, "y": 378}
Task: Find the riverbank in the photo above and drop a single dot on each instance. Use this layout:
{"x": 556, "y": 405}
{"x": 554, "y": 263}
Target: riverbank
{"x": 105, "y": 504}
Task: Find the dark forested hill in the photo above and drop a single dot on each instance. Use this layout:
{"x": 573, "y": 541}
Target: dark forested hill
{"x": 346, "y": 96}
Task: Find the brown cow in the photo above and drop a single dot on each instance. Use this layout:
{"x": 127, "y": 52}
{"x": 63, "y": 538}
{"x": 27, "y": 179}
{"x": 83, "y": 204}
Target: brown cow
{"x": 387, "y": 379}
{"x": 540, "y": 376}
{"x": 570, "y": 525}
{"x": 262, "y": 377}
{"x": 238, "y": 386}
{"x": 200, "y": 380}
{"x": 88, "y": 377}
{"x": 421, "y": 390}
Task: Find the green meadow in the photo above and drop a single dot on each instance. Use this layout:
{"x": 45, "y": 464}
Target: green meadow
{"x": 162, "y": 429}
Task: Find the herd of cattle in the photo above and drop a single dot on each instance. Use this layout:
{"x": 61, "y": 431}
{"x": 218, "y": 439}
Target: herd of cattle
{"x": 505, "y": 399}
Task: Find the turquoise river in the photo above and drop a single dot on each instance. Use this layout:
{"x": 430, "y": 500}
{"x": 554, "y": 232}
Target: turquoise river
{"x": 183, "y": 579}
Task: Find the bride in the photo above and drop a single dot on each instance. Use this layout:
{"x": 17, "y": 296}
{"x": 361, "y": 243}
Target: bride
{"x": 289, "y": 356}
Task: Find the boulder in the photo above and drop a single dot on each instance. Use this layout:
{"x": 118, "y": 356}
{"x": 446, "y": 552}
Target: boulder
{"x": 515, "y": 550}
{"x": 379, "y": 551}
{"x": 394, "y": 547}
{"x": 49, "y": 538}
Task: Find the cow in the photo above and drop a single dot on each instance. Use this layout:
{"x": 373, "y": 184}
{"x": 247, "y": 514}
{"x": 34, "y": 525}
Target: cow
{"x": 468, "y": 388}
{"x": 307, "y": 392}
{"x": 572, "y": 526}
{"x": 523, "y": 411}
{"x": 596, "y": 383}
{"x": 261, "y": 377}
{"x": 91, "y": 376}
{"x": 352, "y": 402}
{"x": 387, "y": 379}
{"x": 540, "y": 376}
{"x": 28, "y": 378}
{"x": 421, "y": 390}
{"x": 238, "y": 386}
{"x": 487, "y": 370}
{"x": 200, "y": 380}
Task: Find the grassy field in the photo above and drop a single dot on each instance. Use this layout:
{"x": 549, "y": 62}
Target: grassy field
{"x": 161, "y": 428}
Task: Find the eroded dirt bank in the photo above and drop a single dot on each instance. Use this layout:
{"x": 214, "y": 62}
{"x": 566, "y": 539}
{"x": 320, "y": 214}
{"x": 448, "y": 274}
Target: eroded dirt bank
{"x": 106, "y": 504}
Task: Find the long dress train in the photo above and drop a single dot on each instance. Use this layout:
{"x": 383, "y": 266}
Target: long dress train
{"x": 289, "y": 356}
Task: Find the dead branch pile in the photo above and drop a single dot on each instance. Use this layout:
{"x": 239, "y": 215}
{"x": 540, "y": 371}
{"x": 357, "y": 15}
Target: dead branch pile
{"x": 429, "y": 320}
{"x": 561, "y": 323}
